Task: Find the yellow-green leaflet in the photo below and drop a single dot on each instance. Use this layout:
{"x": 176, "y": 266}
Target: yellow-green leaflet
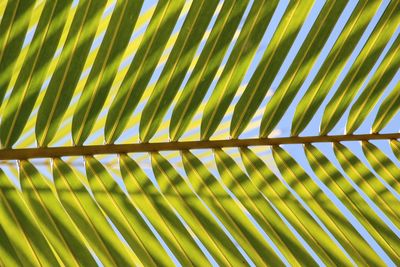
{"x": 395, "y": 145}
{"x": 375, "y": 88}
{"x": 237, "y": 65}
{"x": 52, "y": 218}
{"x": 207, "y": 66}
{"x": 142, "y": 67}
{"x": 383, "y": 165}
{"x": 178, "y": 63}
{"x": 349, "y": 87}
{"x": 68, "y": 71}
{"x": 278, "y": 48}
{"x": 388, "y": 109}
{"x": 8, "y": 254}
{"x": 30, "y": 244}
{"x": 33, "y": 72}
{"x": 153, "y": 204}
{"x": 333, "y": 64}
{"x": 301, "y": 65}
{"x": 366, "y": 180}
{"x": 346, "y": 193}
{"x": 226, "y": 209}
{"x": 261, "y": 209}
{"x": 321, "y": 205}
{"x": 105, "y": 68}
{"x": 181, "y": 197}
{"x": 124, "y": 215}
{"x": 13, "y": 27}
{"x": 89, "y": 218}
{"x": 290, "y": 207}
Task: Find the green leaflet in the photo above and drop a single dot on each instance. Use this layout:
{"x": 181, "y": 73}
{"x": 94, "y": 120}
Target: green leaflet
{"x": 181, "y": 197}
{"x": 226, "y": 209}
{"x": 395, "y": 145}
{"x": 104, "y": 68}
{"x": 179, "y": 60}
{"x": 142, "y": 67}
{"x": 382, "y": 165}
{"x": 354, "y": 79}
{"x": 333, "y": 65}
{"x": 124, "y": 215}
{"x": 69, "y": 68}
{"x": 33, "y": 71}
{"x": 89, "y": 218}
{"x": 279, "y": 46}
{"x": 52, "y": 218}
{"x": 152, "y": 203}
{"x": 261, "y": 209}
{"x": 346, "y": 193}
{"x": 322, "y": 206}
{"x": 375, "y": 88}
{"x": 301, "y": 65}
{"x": 207, "y": 66}
{"x": 237, "y": 65}
{"x": 13, "y": 27}
{"x": 388, "y": 109}
{"x": 21, "y": 227}
{"x": 274, "y": 190}
{"x": 366, "y": 180}
{"x": 8, "y": 254}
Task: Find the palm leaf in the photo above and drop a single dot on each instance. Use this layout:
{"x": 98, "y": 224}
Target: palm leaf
{"x": 309, "y": 191}
{"x": 124, "y": 215}
{"x": 33, "y": 71}
{"x": 333, "y": 65}
{"x": 228, "y": 211}
{"x": 145, "y": 61}
{"x": 8, "y": 253}
{"x": 69, "y": 68}
{"x": 295, "y": 15}
{"x": 363, "y": 64}
{"x": 341, "y": 187}
{"x": 83, "y": 81}
{"x": 178, "y": 62}
{"x": 53, "y": 220}
{"x": 152, "y": 203}
{"x": 375, "y": 88}
{"x": 235, "y": 69}
{"x": 301, "y": 65}
{"x": 13, "y": 27}
{"x": 30, "y": 244}
{"x": 368, "y": 182}
{"x": 89, "y": 218}
{"x": 195, "y": 214}
{"x": 206, "y": 67}
{"x": 387, "y": 110}
{"x": 234, "y": 178}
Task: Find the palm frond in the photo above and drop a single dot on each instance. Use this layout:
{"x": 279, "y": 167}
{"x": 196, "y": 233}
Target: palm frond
{"x": 99, "y": 96}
